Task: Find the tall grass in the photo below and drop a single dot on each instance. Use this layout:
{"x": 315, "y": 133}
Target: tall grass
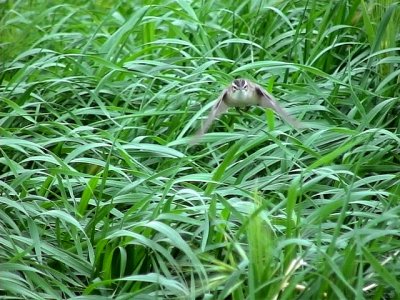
{"x": 102, "y": 195}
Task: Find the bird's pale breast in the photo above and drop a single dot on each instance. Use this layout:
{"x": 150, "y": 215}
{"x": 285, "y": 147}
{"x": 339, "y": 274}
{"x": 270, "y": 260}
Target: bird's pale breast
{"x": 242, "y": 99}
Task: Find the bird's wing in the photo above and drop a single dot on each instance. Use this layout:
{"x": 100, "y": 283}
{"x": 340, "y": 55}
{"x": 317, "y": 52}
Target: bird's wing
{"x": 218, "y": 109}
{"x": 267, "y": 100}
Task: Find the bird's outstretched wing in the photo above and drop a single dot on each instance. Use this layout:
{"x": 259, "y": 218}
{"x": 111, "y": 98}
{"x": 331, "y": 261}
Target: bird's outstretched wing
{"x": 267, "y": 100}
{"x": 218, "y": 109}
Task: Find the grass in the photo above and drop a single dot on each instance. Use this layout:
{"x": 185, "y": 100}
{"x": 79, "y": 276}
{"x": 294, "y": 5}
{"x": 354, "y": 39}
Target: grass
{"x": 102, "y": 196}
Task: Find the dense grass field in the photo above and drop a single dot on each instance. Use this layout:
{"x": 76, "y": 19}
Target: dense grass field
{"x": 102, "y": 195}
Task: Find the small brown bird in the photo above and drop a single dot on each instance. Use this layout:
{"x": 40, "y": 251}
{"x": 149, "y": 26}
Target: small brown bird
{"x": 243, "y": 93}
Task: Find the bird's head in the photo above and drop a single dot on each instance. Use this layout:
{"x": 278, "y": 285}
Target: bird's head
{"x": 239, "y": 85}
{"x": 239, "y": 91}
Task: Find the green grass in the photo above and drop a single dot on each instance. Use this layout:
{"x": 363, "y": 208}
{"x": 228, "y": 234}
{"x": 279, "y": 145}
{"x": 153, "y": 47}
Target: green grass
{"x": 102, "y": 196}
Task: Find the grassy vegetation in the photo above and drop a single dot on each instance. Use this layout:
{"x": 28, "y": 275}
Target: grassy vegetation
{"x": 102, "y": 196}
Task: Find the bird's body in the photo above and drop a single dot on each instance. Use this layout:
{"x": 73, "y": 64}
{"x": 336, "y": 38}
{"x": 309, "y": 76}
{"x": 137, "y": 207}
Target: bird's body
{"x": 242, "y": 93}
{"x": 242, "y": 99}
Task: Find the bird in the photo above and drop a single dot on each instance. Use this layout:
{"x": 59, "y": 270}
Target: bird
{"x": 243, "y": 93}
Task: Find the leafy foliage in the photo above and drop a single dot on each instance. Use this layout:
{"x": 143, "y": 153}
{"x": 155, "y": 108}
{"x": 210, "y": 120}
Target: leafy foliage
{"x": 102, "y": 195}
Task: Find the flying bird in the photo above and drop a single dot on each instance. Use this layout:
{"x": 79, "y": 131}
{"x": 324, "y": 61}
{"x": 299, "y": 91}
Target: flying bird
{"x": 243, "y": 93}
